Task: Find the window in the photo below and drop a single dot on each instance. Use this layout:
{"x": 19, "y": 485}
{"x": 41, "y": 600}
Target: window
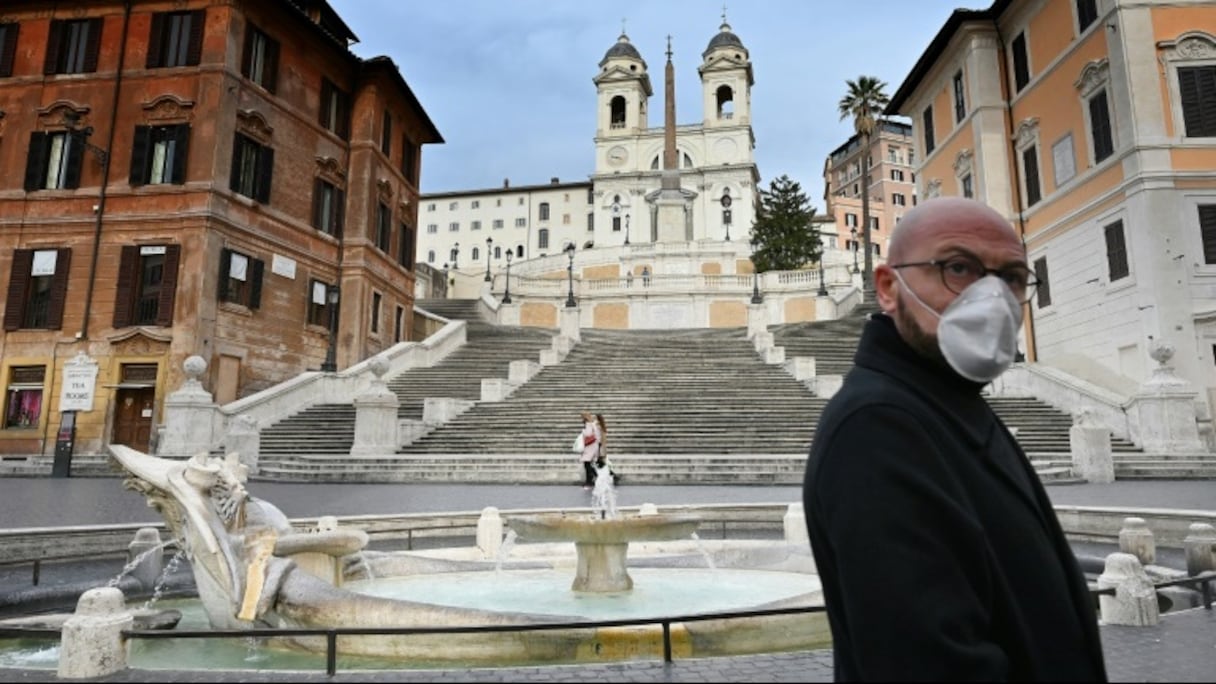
{"x": 1100, "y": 128}
{"x": 386, "y": 134}
{"x": 158, "y": 154}
{"x": 176, "y": 39}
{"x": 1087, "y": 13}
{"x": 430, "y": 256}
{"x": 37, "y": 289}
{"x": 335, "y": 109}
{"x": 72, "y": 46}
{"x": 930, "y": 140}
{"x": 252, "y": 168}
{"x": 384, "y": 228}
{"x": 318, "y": 303}
{"x": 432, "y": 228}
{"x": 398, "y": 323}
{"x": 8, "y": 48}
{"x": 147, "y": 285}
{"x": 899, "y": 200}
{"x": 260, "y": 60}
{"x": 616, "y": 112}
{"x": 475, "y": 204}
{"x": 455, "y": 251}
{"x": 565, "y": 219}
{"x": 873, "y": 223}
{"x": 54, "y": 160}
{"x": 475, "y": 225}
{"x": 409, "y": 160}
{"x": 23, "y": 397}
{"x": 1021, "y": 62}
{"x": 497, "y": 224}
{"x": 1030, "y": 172}
{"x": 897, "y": 175}
{"x": 544, "y": 211}
{"x": 1197, "y": 86}
{"x": 1207, "y": 231}
{"x": 1043, "y": 291}
{"x": 430, "y": 206}
{"x": 850, "y": 220}
{"x": 497, "y": 252}
{"x": 1116, "y": 251}
{"x": 521, "y": 223}
{"x": 405, "y": 248}
{"x": 240, "y": 279}
{"x": 476, "y": 254}
{"x": 616, "y": 224}
{"x": 590, "y": 221}
{"x": 377, "y": 302}
{"x": 968, "y": 191}
{"x": 453, "y": 206}
{"x": 590, "y": 195}
{"x": 520, "y": 202}
{"x": 542, "y": 238}
{"x": 454, "y": 227}
{"x": 519, "y": 252}
{"x": 960, "y": 101}
{"x": 328, "y": 208}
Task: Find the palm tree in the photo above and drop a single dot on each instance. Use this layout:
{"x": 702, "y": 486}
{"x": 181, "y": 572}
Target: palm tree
{"x": 864, "y": 101}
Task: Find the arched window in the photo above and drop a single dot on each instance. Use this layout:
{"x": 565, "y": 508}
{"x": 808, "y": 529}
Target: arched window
{"x": 542, "y": 238}
{"x": 476, "y": 254}
{"x": 452, "y": 255}
{"x": 687, "y": 163}
{"x": 617, "y": 112}
{"x": 497, "y": 252}
{"x": 726, "y": 102}
{"x": 544, "y": 211}
{"x": 430, "y": 257}
{"x": 519, "y": 252}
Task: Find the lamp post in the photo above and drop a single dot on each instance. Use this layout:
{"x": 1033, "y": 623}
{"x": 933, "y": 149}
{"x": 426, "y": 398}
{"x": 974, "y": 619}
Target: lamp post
{"x": 506, "y": 296}
{"x": 756, "y": 298}
{"x": 853, "y": 231}
{"x": 726, "y": 202}
{"x": 455, "y": 253}
{"x": 332, "y": 295}
{"x": 626, "y": 228}
{"x": 570, "y": 303}
{"x": 823, "y": 286}
{"x": 489, "y": 241}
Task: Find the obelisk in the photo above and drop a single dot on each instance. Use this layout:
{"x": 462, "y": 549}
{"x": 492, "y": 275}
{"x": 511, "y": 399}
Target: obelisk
{"x": 671, "y": 224}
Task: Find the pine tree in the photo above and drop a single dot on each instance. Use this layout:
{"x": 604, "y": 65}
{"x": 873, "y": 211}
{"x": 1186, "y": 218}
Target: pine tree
{"x": 783, "y": 236}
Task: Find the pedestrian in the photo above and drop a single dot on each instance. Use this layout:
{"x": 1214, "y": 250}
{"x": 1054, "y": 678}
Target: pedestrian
{"x": 938, "y": 550}
{"x": 645, "y": 276}
{"x": 602, "y": 464}
{"x": 589, "y": 437}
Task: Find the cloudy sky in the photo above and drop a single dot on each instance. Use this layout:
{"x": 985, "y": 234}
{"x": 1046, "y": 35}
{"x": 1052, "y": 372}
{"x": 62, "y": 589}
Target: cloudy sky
{"x": 508, "y": 82}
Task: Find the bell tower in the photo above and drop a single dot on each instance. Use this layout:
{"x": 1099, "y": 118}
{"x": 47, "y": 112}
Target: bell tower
{"x": 622, "y": 88}
{"x": 726, "y": 80}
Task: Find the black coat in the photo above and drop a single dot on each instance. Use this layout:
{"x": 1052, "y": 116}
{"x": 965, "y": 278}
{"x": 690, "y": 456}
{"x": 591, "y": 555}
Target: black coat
{"x": 940, "y": 555}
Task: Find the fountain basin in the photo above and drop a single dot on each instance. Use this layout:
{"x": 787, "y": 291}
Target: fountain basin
{"x": 602, "y": 544}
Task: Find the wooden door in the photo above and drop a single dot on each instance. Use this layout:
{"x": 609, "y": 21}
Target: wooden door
{"x": 133, "y": 418}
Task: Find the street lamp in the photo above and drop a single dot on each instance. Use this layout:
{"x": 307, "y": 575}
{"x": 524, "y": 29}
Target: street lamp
{"x": 570, "y": 303}
{"x": 726, "y": 202}
{"x": 756, "y": 298}
{"x": 506, "y": 297}
{"x": 626, "y": 228}
{"x": 853, "y": 231}
{"x": 489, "y": 241}
{"x": 455, "y": 253}
{"x": 331, "y": 298}
{"x": 823, "y": 286}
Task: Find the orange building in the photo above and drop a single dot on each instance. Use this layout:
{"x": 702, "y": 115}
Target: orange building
{"x": 892, "y": 185}
{"x": 193, "y": 177}
{"x": 1091, "y": 124}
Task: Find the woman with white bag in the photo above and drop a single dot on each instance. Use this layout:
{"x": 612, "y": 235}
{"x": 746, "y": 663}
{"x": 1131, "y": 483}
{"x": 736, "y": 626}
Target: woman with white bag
{"x": 587, "y": 445}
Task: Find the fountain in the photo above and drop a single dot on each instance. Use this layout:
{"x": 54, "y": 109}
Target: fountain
{"x": 253, "y": 570}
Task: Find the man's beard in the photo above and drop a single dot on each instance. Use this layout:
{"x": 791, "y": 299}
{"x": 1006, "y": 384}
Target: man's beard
{"x": 915, "y": 336}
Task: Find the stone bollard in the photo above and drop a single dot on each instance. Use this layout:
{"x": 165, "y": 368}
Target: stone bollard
{"x": 1200, "y": 545}
{"x": 1135, "y": 599}
{"x": 1089, "y": 442}
{"x": 327, "y": 523}
{"x": 92, "y": 644}
{"x": 1135, "y": 538}
{"x": 244, "y": 437}
{"x": 146, "y": 544}
{"x": 794, "y": 523}
{"x": 489, "y": 532}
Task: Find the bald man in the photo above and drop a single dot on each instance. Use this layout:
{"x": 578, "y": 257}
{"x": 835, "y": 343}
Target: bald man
{"x": 940, "y": 555}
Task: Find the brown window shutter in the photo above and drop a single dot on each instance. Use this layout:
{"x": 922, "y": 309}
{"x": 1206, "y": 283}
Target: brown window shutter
{"x": 35, "y": 165}
{"x": 255, "y": 283}
{"x": 270, "y": 77}
{"x": 247, "y": 54}
{"x": 53, "y": 41}
{"x": 221, "y": 285}
{"x": 139, "y": 155}
{"x": 8, "y": 48}
{"x": 71, "y": 174}
{"x": 234, "y": 180}
{"x": 59, "y": 289}
{"x": 92, "y": 45}
{"x": 318, "y": 187}
{"x": 265, "y": 174}
{"x": 18, "y": 287}
{"x": 156, "y": 41}
{"x": 181, "y": 152}
{"x": 339, "y": 212}
{"x": 194, "y": 54}
{"x": 1207, "y": 232}
{"x": 124, "y": 290}
{"x": 327, "y": 93}
{"x": 168, "y": 286}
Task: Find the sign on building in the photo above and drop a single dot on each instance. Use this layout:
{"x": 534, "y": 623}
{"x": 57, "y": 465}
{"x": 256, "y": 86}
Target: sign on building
{"x": 79, "y": 382}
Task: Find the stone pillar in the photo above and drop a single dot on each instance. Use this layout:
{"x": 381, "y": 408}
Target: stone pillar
{"x": 1089, "y": 443}
{"x": 92, "y": 644}
{"x": 521, "y": 371}
{"x": 376, "y": 415}
{"x": 489, "y": 532}
{"x": 1163, "y": 409}
{"x": 1137, "y": 539}
{"x": 440, "y": 410}
{"x": 148, "y": 545}
{"x": 757, "y": 319}
{"x": 570, "y": 323}
{"x": 828, "y": 385}
{"x": 1135, "y": 599}
{"x": 190, "y": 415}
{"x": 410, "y": 430}
{"x": 801, "y": 367}
{"x": 1200, "y": 545}
{"x": 496, "y": 389}
{"x": 761, "y": 341}
{"x": 794, "y": 524}
{"x": 773, "y": 356}
{"x": 244, "y": 438}
{"x": 561, "y": 344}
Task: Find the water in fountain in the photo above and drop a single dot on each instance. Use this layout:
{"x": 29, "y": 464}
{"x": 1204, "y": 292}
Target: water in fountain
{"x": 603, "y": 498}
{"x": 134, "y": 562}
{"x": 504, "y": 551}
{"x": 361, "y": 560}
{"x": 709, "y": 561}
{"x": 164, "y": 578}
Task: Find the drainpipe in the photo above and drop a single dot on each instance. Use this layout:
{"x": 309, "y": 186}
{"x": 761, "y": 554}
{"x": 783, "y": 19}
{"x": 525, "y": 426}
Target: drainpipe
{"x": 105, "y": 172}
{"x": 1033, "y": 346}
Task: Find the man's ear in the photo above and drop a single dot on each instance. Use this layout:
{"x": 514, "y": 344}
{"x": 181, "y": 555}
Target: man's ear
{"x": 885, "y": 286}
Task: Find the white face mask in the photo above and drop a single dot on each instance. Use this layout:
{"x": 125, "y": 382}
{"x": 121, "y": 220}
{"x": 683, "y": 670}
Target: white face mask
{"x": 978, "y": 332}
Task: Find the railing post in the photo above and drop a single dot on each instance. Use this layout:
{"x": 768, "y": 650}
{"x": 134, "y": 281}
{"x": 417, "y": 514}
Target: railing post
{"x": 331, "y": 652}
{"x": 37, "y": 570}
{"x": 666, "y": 641}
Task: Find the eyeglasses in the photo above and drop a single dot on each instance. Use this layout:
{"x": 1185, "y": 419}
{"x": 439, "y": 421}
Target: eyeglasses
{"x": 959, "y": 272}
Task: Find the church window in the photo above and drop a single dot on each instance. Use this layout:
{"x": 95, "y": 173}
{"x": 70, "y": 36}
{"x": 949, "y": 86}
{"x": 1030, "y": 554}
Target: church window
{"x": 726, "y": 102}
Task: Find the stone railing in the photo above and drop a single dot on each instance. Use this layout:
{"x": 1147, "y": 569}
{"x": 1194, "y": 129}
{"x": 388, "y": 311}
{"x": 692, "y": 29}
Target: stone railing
{"x": 1065, "y": 392}
{"x": 837, "y": 276}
